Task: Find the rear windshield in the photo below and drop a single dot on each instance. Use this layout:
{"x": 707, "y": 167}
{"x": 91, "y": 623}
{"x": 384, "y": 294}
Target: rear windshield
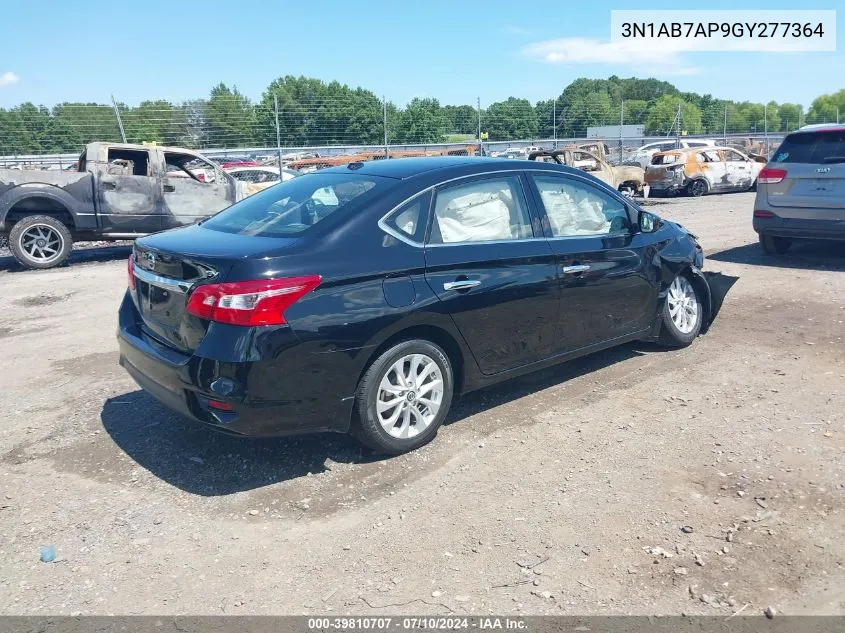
{"x": 665, "y": 159}
{"x": 295, "y": 205}
{"x": 812, "y": 147}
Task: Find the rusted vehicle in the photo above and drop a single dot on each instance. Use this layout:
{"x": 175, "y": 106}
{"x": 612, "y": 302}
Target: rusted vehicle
{"x": 118, "y": 192}
{"x": 628, "y": 179}
{"x": 313, "y": 164}
{"x": 697, "y": 171}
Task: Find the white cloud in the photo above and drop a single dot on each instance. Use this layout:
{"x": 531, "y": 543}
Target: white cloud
{"x": 516, "y": 30}
{"x": 578, "y": 50}
{"x": 8, "y": 79}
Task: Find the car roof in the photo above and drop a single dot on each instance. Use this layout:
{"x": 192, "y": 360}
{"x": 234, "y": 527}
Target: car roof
{"x": 405, "y": 168}
{"x": 820, "y": 127}
{"x": 401, "y": 168}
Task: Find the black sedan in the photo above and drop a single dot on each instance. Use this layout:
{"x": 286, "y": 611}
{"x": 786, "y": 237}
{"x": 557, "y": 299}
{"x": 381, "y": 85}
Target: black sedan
{"x": 364, "y": 298}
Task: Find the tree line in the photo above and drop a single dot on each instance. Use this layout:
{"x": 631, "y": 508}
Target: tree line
{"x": 312, "y": 112}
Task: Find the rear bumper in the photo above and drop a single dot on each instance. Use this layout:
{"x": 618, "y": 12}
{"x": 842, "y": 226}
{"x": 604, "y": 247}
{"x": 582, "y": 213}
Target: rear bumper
{"x": 800, "y": 228}
{"x": 264, "y": 400}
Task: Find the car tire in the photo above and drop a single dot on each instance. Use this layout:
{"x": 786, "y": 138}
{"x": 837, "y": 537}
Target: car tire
{"x": 697, "y": 188}
{"x": 414, "y": 419}
{"x": 773, "y": 245}
{"x": 682, "y": 314}
{"x": 56, "y": 237}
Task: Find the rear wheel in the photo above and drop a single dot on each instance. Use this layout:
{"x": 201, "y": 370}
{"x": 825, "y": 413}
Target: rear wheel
{"x": 404, "y": 397}
{"x": 774, "y": 245}
{"x": 40, "y": 241}
{"x": 682, "y": 314}
{"x": 697, "y": 188}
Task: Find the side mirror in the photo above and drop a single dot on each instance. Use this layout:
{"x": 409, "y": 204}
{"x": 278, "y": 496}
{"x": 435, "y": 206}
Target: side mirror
{"x": 648, "y": 222}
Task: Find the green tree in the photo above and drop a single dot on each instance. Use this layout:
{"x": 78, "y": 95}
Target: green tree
{"x": 510, "y": 119}
{"x": 590, "y": 110}
{"x": 462, "y": 119}
{"x": 231, "y": 118}
{"x": 791, "y": 115}
{"x": 422, "y": 121}
{"x": 635, "y": 111}
{"x": 662, "y": 116}
{"x": 828, "y": 108}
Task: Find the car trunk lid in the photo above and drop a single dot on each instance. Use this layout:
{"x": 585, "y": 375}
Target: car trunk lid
{"x": 169, "y": 265}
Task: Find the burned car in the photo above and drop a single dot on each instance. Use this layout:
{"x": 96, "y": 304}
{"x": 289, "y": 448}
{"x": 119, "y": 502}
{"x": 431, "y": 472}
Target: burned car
{"x": 696, "y": 171}
{"x": 627, "y": 179}
{"x": 117, "y": 192}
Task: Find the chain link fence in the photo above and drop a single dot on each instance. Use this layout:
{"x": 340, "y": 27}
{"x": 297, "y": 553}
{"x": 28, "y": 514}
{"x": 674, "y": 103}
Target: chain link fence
{"x": 286, "y": 125}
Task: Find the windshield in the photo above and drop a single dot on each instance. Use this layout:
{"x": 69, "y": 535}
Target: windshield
{"x": 294, "y": 206}
{"x": 815, "y": 148}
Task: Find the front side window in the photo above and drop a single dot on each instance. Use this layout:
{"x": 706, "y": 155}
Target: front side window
{"x": 578, "y": 209}
{"x": 294, "y": 206}
{"x": 481, "y": 211}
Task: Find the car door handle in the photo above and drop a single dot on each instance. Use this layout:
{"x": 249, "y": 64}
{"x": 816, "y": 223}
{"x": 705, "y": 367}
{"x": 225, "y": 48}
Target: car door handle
{"x": 170, "y": 188}
{"x": 575, "y": 269}
{"x": 462, "y": 284}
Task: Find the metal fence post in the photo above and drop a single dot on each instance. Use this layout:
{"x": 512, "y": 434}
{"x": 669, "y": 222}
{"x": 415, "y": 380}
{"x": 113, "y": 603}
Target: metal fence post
{"x": 384, "y": 124}
{"x": 278, "y": 130}
{"x": 480, "y": 146}
{"x": 554, "y": 122}
{"x": 725, "y": 129}
{"x": 119, "y": 122}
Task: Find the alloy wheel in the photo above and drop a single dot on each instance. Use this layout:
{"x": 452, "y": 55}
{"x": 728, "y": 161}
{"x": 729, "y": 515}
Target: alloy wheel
{"x": 683, "y": 305}
{"x": 409, "y": 396}
{"x": 41, "y": 243}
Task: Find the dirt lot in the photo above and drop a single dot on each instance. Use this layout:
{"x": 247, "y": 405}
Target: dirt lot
{"x": 563, "y": 492}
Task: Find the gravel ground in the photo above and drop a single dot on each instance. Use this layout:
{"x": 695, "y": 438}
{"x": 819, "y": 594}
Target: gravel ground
{"x": 637, "y": 481}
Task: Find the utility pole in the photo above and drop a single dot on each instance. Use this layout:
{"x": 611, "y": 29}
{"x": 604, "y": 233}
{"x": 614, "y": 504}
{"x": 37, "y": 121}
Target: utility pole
{"x": 621, "y": 123}
{"x": 554, "y": 121}
{"x": 837, "y": 114}
{"x": 384, "y": 102}
{"x": 725, "y": 129}
{"x": 119, "y": 122}
{"x": 766, "y": 126}
{"x": 678, "y": 133}
{"x": 480, "y": 146}
{"x": 278, "y": 132}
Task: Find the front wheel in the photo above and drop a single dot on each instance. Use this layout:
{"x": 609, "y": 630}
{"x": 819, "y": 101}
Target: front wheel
{"x": 404, "y": 397}
{"x": 682, "y": 314}
{"x": 40, "y": 241}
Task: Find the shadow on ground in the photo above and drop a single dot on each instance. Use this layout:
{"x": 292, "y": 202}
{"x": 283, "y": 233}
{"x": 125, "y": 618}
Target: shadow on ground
{"x": 77, "y": 256}
{"x": 201, "y": 461}
{"x": 804, "y": 255}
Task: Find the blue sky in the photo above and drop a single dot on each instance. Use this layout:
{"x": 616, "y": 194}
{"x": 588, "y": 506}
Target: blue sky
{"x": 454, "y": 51}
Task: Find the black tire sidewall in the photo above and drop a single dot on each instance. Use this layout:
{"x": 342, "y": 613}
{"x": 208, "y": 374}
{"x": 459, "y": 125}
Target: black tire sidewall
{"x": 670, "y": 334}
{"x": 697, "y": 185}
{"x": 25, "y": 223}
{"x": 368, "y": 428}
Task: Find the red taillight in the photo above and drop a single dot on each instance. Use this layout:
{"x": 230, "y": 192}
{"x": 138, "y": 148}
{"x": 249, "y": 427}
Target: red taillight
{"x": 259, "y": 302}
{"x": 771, "y": 175}
{"x": 763, "y": 214}
{"x": 220, "y": 405}
{"x": 130, "y": 269}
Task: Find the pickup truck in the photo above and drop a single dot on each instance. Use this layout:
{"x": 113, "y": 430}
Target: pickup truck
{"x": 118, "y": 192}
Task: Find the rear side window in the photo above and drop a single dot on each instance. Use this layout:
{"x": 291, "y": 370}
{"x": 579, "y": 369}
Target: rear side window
{"x": 298, "y": 204}
{"x": 812, "y": 147}
{"x": 410, "y": 218}
{"x": 486, "y": 210}
{"x": 664, "y": 159}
